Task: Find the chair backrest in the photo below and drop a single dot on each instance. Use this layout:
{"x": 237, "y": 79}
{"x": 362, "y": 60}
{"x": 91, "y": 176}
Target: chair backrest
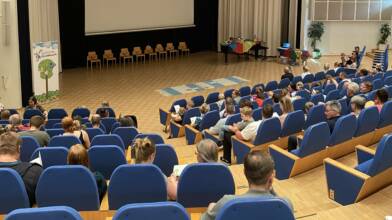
{"x": 108, "y": 139}
{"x": 293, "y": 123}
{"x": 108, "y": 123}
{"x": 56, "y": 212}
{"x": 255, "y": 86}
{"x": 345, "y": 109}
{"x": 269, "y": 130}
{"x": 271, "y": 86}
{"x": 332, "y": 95}
{"x": 377, "y": 84}
{"x": 284, "y": 83}
{"x": 54, "y": 131}
{"x": 136, "y": 183}
{"x": 50, "y": 122}
{"x": 57, "y": 113}
{"x": 137, "y": 51}
{"x": 148, "y": 49}
{"x": 329, "y": 88}
{"x": 317, "y": 98}
{"x": 105, "y": 159}
{"x": 180, "y": 102}
{"x": 92, "y": 55}
{"x": 245, "y": 91}
{"x": 92, "y": 132}
{"x": 165, "y": 158}
{"x": 382, "y": 160}
{"x": 388, "y": 81}
{"x": 151, "y": 211}
{"x": 124, "y": 52}
{"x": 193, "y": 112}
{"x": 28, "y": 146}
{"x": 209, "y": 120}
{"x": 308, "y": 78}
{"x": 215, "y": 107}
{"x": 385, "y": 115}
{"x": 57, "y": 125}
{"x": 13, "y": 193}
{"x": 82, "y": 112}
{"x": 304, "y": 94}
{"x": 212, "y": 97}
{"x": 277, "y": 109}
{"x": 198, "y": 100}
{"x": 255, "y": 209}
{"x": 156, "y": 138}
{"x": 109, "y": 109}
{"x": 344, "y": 129}
{"x": 231, "y": 119}
{"x": 316, "y": 138}
{"x": 299, "y": 104}
{"x": 203, "y": 183}
{"x": 32, "y": 112}
{"x": 315, "y": 115}
{"x": 64, "y": 140}
{"x": 296, "y": 79}
{"x": 367, "y": 121}
{"x": 70, "y": 185}
{"x": 127, "y": 134}
{"x": 268, "y": 101}
{"x": 51, "y": 156}
{"x": 319, "y": 76}
{"x": 159, "y": 48}
{"x": 169, "y": 46}
{"x": 228, "y": 93}
{"x": 257, "y": 114}
{"x": 182, "y": 45}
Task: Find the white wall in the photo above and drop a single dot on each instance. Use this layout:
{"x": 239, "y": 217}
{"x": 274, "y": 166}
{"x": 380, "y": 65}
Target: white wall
{"x": 10, "y": 88}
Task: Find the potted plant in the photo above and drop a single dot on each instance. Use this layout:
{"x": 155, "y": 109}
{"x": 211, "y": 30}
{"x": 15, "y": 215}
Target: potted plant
{"x": 385, "y": 32}
{"x": 315, "y": 32}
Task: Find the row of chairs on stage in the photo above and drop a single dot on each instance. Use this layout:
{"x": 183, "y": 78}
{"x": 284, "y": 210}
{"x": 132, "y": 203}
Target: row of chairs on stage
{"x": 125, "y": 56}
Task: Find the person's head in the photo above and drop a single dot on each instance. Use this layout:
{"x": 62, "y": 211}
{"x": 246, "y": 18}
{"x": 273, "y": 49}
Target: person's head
{"x": 308, "y": 106}
{"x": 326, "y": 66}
{"x": 286, "y": 105}
{"x": 5, "y": 114}
{"x": 378, "y": 67}
{"x": 287, "y": 70}
{"x": 15, "y": 120}
{"x": 32, "y": 101}
{"x": 305, "y": 68}
{"x": 328, "y": 77}
{"x": 235, "y": 93}
{"x": 103, "y": 113}
{"x": 181, "y": 111}
{"x": 189, "y": 104}
{"x": 245, "y": 103}
{"x": 77, "y": 155}
{"x": 365, "y": 87}
{"x": 300, "y": 86}
{"x": 381, "y": 97}
{"x": 332, "y": 109}
{"x": 68, "y": 124}
{"x": 144, "y": 150}
{"x": 204, "y": 108}
{"x": 284, "y": 92}
{"x": 260, "y": 92}
{"x": 229, "y": 101}
{"x": 259, "y": 169}
{"x": 357, "y": 103}
{"x": 230, "y": 109}
{"x": 276, "y": 97}
{"x": 268, "y": 111}
{"x": 36, "y": 121}
{"x": 356, "y": 49}
{"x": 336, "y": 64}
{"x": 126, "y": 122}
{"x": 10, "y": 145}
{"x": 96, "y": 120}
{"x": 363, "y": 72}
{"x": 105, "y": 104}
{"x": 221, "y": 96}
{"x": 342, "y": 75}
{"x": 352, "y": 89}
{"x": 246, "y": 113}
{"x": 207, "y": 151}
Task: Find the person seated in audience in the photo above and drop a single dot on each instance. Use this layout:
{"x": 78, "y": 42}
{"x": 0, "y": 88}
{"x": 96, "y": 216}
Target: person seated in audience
{"x": 9, "y": 158}
{"x": 245, "y": 103}
{"x": 352, "y": 62}
{"x": 221, "y": 100}
{"x": 326, "y": 67}
{"x": 204, "y": 108}
{"x": 33, "y": 104}
{"x": 287, "y": 73}
{"x": 246, "y": 116}
{"x": 377, "y": 69}
{"x": 249, "y": 133}
{"x": 105, "y": 104}
{"x": 103, "y": 113}
{"x": 206, "y": 152}
{"x": 332, "y": 113}
{"x": 259, "y": 172}
{"x": 308, "y": 106}
{"x": 77, "y": 155}
{"x": 356, "y": 51}
{"x": 343, "y": 60}
{"x": 15, "y": 124}
{"x": 330, "y": 80}
{"x": 5, "y": 114}
{"x": 259, "y": 97}
{"x": 126, "y": 121}
{"x": 336, "y": 66}
{"x": 365, "y": 87}
{"x": 363, "y": 72}
{"x": 286, "y": 106}
{"x": 96, "y": 120}
{"x": 352, "y": 90}
{"x": 36, "y": 123}
{"x": 343, "y": 77}
{"x": 357, "y": 104}
{"x": 218, "y": 128}
{"x": 380, "y": 98}
{"x": 228, "y": 101}
{"x": 305, "y": 71}
{"x": 72, "y": 127}
{"x": 236, "y": 96}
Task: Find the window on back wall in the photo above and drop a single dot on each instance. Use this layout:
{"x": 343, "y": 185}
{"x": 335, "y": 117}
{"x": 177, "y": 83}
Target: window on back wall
{"x": 351, "y": 10}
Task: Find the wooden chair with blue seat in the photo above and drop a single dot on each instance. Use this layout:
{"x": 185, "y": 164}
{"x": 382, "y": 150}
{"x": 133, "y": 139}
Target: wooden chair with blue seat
{"x": 108, "y": 139}
{"x": 82, "y": 112}
{"x": 105, "y": 159}
{"x": 178, "y": 130}
{"x": 319, "y": 76}
{"x": 310, "y": 153}
{"x": 92, "y": 132}
{"x": 332, "y": 95}
{"x": 268, "y": 133}
{"x": 57, "y": 113}
{"x": 317, "y": 98}
{"x": 165, "y": 116}
{"x": 253, "y": 91}
{"x": 57, "y": 212}
{"x": 299, "y": 104}
{"x": 367, "y": 123}
{"x": 329, "y": 88}
{"x": 51, "y": 156}
{"x": 156, "y": 138}
{"x": 271, "y": 86}
{"x": 54, "y": 131}
{"x": 157, "y": 210}
{"x": 212, "y": 97}
{"x": 127, "y": 134}
{"x": 31, "y": 112}
{"x": 385, "y": 124}
{"x": 107, "y": 123}
{"x": 315, "y": 115}
{"x": 284, "y": 83}
{"x": 304, "y": 94}
{"x": 292, "y": 125}
{"x": 231, "y": 119}
{"x": 197, "y": 100}
{"x": 66, "y": 141}
{"x": 13, "y": 194}
{"x": 308, "y": 79}
{"x": 347, "y": 185}
{"x": 245, "y": 91}
{"x": 165, "y": 158}
{"x": 193, "y": 135}
{"x": 27, "y": 148}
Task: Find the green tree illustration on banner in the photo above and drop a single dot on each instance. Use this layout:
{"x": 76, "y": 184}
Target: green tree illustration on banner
{"x": 45, "y": 67}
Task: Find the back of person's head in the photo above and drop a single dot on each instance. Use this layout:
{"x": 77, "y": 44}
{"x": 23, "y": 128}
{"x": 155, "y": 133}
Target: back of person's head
{"x": 336, "y": 64}
{"x": 144, "y": 150}
{"x": 305, "y": 68}
{"x": 326, "y": 66}
{"x": 358, "y": 102}
{"x": 247, "y": 111}
{"x": 77, "y": 155}
{"x": 230, "y": 109}
{"x": 276, "y": 97}
{"x": 9, "y": 144}
{"x": 68, "y": 124}
{"x": 335, "y": 106}
{"x": 36, "y": 121}
{"x": 308, "y": 106}
{"x": 363, "y": 72}
{"x": 5, "y": 114}
{"x": 245, "y": 103}
{"x": 235, "y": 93}
{"x": 221, "y": 96}
{"x": 342, "y": 75}
{"x": 382, "y": 96}
{"x": 258, "y": 168}
{"x": 204, "y": 108}
{"x": 126, "y": 122}
{"x": 300, "y": 85}
{"x": 95, "y": 119}
{"x": 105, "y": 104}
{"x": 286, "y": 105}
{"x": 207, "y": 151}
{"x": 268, "y": 111}
{"x": 15, "y": 120}
{"x": 352, "y": 89}
{"x": 260, "y": 92}
{"x": 33, "y": 100}
{"x": 229, "y": 100}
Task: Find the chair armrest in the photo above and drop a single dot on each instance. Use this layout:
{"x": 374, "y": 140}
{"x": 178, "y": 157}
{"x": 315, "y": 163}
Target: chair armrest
{"x": 246, "y": 143}
{"x": 346, "y": 168}
{"x": 194, "y": 130}
{"x": 240, "y": 148}
{"x": 283, "y": 152}
{"x": 284, "y": 161}
{"x": 164, "y": 116}
{"x": 364, "y": 153}
{"x": 192, "y": 135}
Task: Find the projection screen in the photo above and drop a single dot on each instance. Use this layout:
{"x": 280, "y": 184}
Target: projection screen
{"x": 117, "y": 16}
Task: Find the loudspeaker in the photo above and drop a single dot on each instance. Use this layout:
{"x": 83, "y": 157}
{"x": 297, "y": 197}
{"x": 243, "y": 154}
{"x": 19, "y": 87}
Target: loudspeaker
{"x": 5, "y": 22}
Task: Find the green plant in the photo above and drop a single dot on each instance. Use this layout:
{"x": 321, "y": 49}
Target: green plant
{"x": 385, "y": 32}
{"x": 315, "y": 32}
{"x": 45, "y": 68}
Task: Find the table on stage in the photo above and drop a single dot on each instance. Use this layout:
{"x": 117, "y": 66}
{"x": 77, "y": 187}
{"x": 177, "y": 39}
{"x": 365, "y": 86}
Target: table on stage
{"x": 244, "y": 47}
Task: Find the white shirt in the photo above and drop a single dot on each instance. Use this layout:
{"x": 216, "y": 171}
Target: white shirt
{"x": 305, "y": 74}
{"x": 250, "y": 131}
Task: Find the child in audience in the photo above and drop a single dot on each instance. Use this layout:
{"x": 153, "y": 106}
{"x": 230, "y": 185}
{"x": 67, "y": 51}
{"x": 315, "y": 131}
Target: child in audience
{"x": 72, "y": 127}
{"x": 33, "y": 104}
{"x": 77, "y": 155}
{"x": 326, "y": 67}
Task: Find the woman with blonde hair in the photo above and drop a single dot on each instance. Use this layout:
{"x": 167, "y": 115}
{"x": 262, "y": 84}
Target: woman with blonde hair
{"x": 77, "y": 155}
{"x": 72, "y": 127}
{"x": 286, "y": 106}
{"x": 144, "y": 151}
